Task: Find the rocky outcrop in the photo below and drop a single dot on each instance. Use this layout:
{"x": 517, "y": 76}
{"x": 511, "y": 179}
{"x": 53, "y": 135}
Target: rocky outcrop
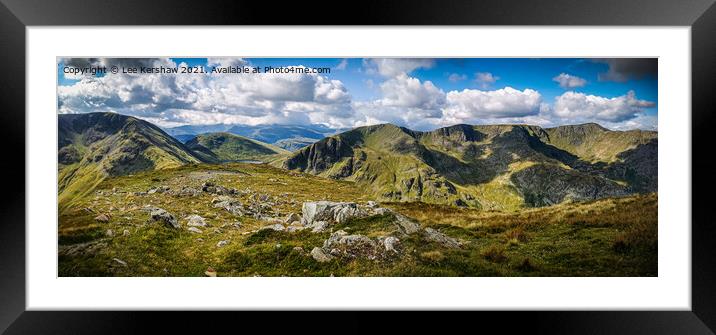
{"x": 330, "y": 212}
{"x": 159, "y": 215}
{"x": 544, "y": 185}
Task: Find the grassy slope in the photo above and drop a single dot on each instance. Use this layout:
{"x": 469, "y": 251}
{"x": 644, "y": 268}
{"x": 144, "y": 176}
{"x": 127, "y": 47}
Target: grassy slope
{"x": 134, "y": 145}
{"x": 226, "y": 147}
{"x": 479, "y": 161}
{"x": 610, "y": 237}
{"x": 591, "y": 142}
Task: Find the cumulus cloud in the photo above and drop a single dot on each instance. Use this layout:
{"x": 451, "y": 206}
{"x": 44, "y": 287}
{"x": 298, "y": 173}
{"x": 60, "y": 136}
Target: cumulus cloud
{"x": 404, "y": 91}
{"x": 580, "y": 106}
{"x": 293, "y": 98}
{"x": 485, "y": 79}
{"x": 568, "y": 81}
{"x": 623, "y": 69}
{"x": 168, "y": 99}
{"x": 455, "y": 77}
{"x": 470, "y": 106}
{"x": 391, "y": 67}
{"x": 226, "y": 61}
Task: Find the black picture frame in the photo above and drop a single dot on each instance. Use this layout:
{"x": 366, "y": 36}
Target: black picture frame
{"x": 16, "y": 15}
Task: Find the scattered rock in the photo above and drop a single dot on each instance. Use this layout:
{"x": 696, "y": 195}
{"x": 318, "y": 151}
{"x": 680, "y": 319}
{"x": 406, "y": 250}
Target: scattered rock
{"x": 298, "y": 249}
{"x": 372, "y": 204}
{"x": 319, "y": 226}
{"x": 187, "y": 192}
{"x": 331, "y": 212}
{"x": 195, "y": 221}
{"x": 222, "y": 243}
{"x": 351, "y": 246}
{"x": 103, "y": 218}
{"x": 293, "y": 217}
{"x": 121, "y": 262}
{"x": 109, "y": 233}
{"x": 276, "y": 227}
{"x": 320, "y": 256}
{"x": 160, "y": 215}
{"x": 88, "y": 248}
{"x": 390, "y": 243}
{"x": 292, "y": 229}
{"x": 195, "y": 230}
{"x": 230, "y": 204}
{"x": 433, "y": 235}
{"x": 406, "y": 225}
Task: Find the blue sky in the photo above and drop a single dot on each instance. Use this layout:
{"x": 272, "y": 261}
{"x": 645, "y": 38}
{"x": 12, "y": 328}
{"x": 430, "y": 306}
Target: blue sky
{"x": 418, "y": 93}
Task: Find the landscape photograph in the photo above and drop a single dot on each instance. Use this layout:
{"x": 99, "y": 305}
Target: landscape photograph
{"x": 357, "y": 167}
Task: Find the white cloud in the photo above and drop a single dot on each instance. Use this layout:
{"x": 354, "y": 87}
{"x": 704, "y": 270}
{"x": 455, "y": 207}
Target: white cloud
{"x": 485, "y": 79}
{"x": 568, "y": 81}
{"x": 342, "y": 65}
{"x": 292, "y": 98}
{"x": 455, "y": 77}
{"x": 404, "y": 91}
{"x": 205, "y": 98}
{"x": 391, "y": 67}
{"x": 471, "y": 106}
{"x": 226, "y": 61}
{"x": 579, "y": 106}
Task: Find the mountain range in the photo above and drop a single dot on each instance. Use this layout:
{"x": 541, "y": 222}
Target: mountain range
{"x": 490, "y": 166}
{"x": 502, "y": 167}
{"x": 289, "y": 137}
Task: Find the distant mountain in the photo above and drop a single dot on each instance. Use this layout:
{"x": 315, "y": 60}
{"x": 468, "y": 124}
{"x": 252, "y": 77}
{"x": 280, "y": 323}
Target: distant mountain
{"x": 290, "y": 137}
{"x": 197, "y": 129}
{"x": 295, "y": 143}
{"x": 94, "y": 146}
{"x": 184, "y": 138}
{"x": 226, "y": 147}
{"x": 492, "y": 166}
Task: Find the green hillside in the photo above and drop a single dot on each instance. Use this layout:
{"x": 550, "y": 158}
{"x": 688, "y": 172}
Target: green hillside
{"x": 502, "y": 167}
{"x": 225, "y": 147}
{"x": 607, "y": 237}
{"x": 95, "y": 146}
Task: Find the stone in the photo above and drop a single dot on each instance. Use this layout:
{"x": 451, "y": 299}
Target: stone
{"x": 319, "y": 226}
{"x": 406, "y": 225}
{"x": 119, "y": 261}
{"x": 222, "y": 243}
{"x": 109, "y": 232}
{"x": 331, "y": 212}
{"x": 320, "y": 256}
{"x": 372, "y": 204}
{"x": 195, "y": 221}
{"x": 433, "y": 235}
{"x": 160, "y": 215}
{"x": 292, "y": 229}
{"x": 292, "y": 218}
{"x": 390, "y": 243}
{"x": 103, "y": 218}
{"x": 352, "y": 246}
{"x": 231, "y": 205}
{"x": 195, "y": 230}
{"x": 276, "y": 227}
{"x": 298, "y": 249}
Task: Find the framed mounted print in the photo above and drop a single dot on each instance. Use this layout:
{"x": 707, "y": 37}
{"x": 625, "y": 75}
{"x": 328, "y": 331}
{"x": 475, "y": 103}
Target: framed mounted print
{"x": 462, "y": 159}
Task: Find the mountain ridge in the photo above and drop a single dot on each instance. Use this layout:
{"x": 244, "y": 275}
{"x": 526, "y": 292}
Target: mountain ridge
{"x": 483, "y": 165}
